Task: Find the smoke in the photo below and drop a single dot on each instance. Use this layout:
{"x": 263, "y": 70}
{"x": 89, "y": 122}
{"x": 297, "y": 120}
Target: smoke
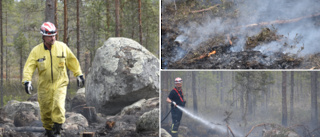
{"x": 257, "y": 11}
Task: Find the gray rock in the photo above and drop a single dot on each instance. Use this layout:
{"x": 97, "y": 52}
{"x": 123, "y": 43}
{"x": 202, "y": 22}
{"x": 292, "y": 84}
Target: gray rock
{"x": 141, "y": 106}
{"x": 34, "y": 97}
{"x": 81, "y": 91}
{"x": 78, "y": 101}
{"x": 133, "y": 108}
{"x": 149, "y": 121}
{"x": 164, "y": 133}
{"x": 24, "y": 118}
{"x": 75, "y": 121}
{"x": 14, "y": 106}
{"x": 122, "y": 73}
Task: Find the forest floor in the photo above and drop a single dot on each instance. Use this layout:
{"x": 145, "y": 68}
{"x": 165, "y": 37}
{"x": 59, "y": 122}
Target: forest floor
{"x": 188, "y": 43}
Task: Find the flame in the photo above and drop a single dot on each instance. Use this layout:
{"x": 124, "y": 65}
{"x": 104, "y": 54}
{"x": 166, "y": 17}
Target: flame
{"x": 212, "y": 52}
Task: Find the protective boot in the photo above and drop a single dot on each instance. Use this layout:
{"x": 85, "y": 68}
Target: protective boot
{"x": 56, "y": 130}
{"x": 49, "y": 133}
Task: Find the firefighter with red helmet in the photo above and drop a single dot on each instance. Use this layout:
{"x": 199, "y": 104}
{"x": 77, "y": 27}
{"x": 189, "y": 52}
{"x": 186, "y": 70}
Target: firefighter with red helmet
{"x": 51, "y": 58}
{"x": 176, "y": 98}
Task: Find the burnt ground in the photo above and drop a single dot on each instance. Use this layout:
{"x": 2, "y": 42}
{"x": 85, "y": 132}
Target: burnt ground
{"x": 175, "y": 54}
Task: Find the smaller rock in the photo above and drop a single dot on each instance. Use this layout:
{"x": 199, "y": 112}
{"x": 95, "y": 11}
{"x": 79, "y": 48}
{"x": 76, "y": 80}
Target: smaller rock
{"x": 24, "y": 118}
{"x": 133, "y": 108}
{"x": 14, "y": 106}
{"x": 74, "y": 121}
{"x": 149, "y": 121}
{"x": 184, "y": 131}
{"x": 164, "y": 133}
{"x": 81, "y": 91}
{"x": 34, "y": 97}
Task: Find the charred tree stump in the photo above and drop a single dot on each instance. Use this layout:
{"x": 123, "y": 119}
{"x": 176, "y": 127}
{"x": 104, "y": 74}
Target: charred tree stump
{"x": 87, "y": 134}
{"x": 90, "y": 114}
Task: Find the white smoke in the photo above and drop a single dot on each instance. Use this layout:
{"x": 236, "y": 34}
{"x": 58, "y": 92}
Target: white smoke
{"x": 257, "y": 11}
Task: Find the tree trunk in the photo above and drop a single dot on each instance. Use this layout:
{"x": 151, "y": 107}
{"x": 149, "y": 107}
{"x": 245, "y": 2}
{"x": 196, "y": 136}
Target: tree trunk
{"x": 314, "y": 107}
{"x": 56, "y": 17}
{"x": 205, "y": 94}
{"x": 117, "y": 18}
{"x": 78, "y": 32}
{"x": 65, "y": 20}
{"x": 291, "y": 97}
{"x": 7, "y": 68}
{"x": 50, "y": 11}
{"x": 194, "y": 91}
{"x": 132, "y": 20}
{"x": 1, "y": 44}
{"x": 221, "y": 88}
{"x": 140, "y": 23}
{"x": 233, "y": 89}
{"x": 108, "y": 18}
{"x": 284, "y": 98}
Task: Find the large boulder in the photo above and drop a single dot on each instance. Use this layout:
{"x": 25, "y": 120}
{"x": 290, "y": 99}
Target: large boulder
{"x": 14, "y": 106}
{"x": 122, "y": 73}
{"x": 149, "y": 121}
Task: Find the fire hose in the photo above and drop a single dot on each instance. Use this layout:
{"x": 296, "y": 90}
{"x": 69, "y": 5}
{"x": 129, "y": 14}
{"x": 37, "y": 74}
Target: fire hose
{"x": 166, "y": 115}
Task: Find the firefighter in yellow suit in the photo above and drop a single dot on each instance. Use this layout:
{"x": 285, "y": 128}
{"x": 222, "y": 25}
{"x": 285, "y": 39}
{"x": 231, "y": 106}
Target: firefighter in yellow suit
{"x": 51, "y": 59}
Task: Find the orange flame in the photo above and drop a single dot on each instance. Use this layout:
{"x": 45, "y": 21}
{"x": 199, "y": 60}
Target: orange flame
{"x": 212, "y": 52}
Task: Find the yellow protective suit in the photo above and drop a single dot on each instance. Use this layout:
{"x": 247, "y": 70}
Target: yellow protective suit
{"x": 53, "y": 79}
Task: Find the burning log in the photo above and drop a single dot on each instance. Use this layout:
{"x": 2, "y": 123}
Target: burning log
{"x": 110, "y": 124}
{"x": 207, "y": 9}
{"x": 228, "y": 37}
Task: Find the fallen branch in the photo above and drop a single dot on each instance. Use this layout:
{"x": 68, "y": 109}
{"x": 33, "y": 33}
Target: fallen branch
{"x": 230, "y": 130}
{"x": 263, "y": 124}
{"x": 197, "y": 11}
{"x": 279, "y": 21}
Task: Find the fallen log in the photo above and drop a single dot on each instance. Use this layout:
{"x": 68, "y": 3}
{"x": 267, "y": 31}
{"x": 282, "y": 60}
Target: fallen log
{"x": 207, "y": 9}
{"x": 29, "y": 129}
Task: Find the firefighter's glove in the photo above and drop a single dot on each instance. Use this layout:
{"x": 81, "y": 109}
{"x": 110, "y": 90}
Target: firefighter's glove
{"x": 173, "y": 103}
{"x": 80, "y": 81}
{"x": 28, "y": 87}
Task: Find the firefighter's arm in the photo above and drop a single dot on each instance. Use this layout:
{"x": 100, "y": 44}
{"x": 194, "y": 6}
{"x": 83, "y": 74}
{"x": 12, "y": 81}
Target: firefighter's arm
{"x": 171, "y": 102}
{"x": 73, "y": 63}
{"x": 29, "y": 67}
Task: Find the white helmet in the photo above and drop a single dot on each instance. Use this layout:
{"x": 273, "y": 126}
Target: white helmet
{"x": 178, "y": 80}
{"x": 48, "y": 29}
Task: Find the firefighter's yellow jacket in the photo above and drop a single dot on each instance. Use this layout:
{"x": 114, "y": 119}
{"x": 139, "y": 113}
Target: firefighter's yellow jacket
{"x": 53, "y": 79}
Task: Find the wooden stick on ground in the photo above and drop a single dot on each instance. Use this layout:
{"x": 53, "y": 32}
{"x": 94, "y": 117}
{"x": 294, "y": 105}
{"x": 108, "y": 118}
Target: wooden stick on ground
{"x": 207, "y": 9}
{"x": 230, "y": 130}
{"x": 279, "y": 21}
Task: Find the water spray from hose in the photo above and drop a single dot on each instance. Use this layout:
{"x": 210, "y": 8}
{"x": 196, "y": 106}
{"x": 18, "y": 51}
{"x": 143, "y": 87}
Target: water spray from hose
{"x": 205, "y": 122}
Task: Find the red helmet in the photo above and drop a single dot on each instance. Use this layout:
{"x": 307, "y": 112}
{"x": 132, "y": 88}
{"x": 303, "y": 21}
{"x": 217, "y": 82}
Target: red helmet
{"x": 178, "y": 80}
{"x": 48, "y": 29}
